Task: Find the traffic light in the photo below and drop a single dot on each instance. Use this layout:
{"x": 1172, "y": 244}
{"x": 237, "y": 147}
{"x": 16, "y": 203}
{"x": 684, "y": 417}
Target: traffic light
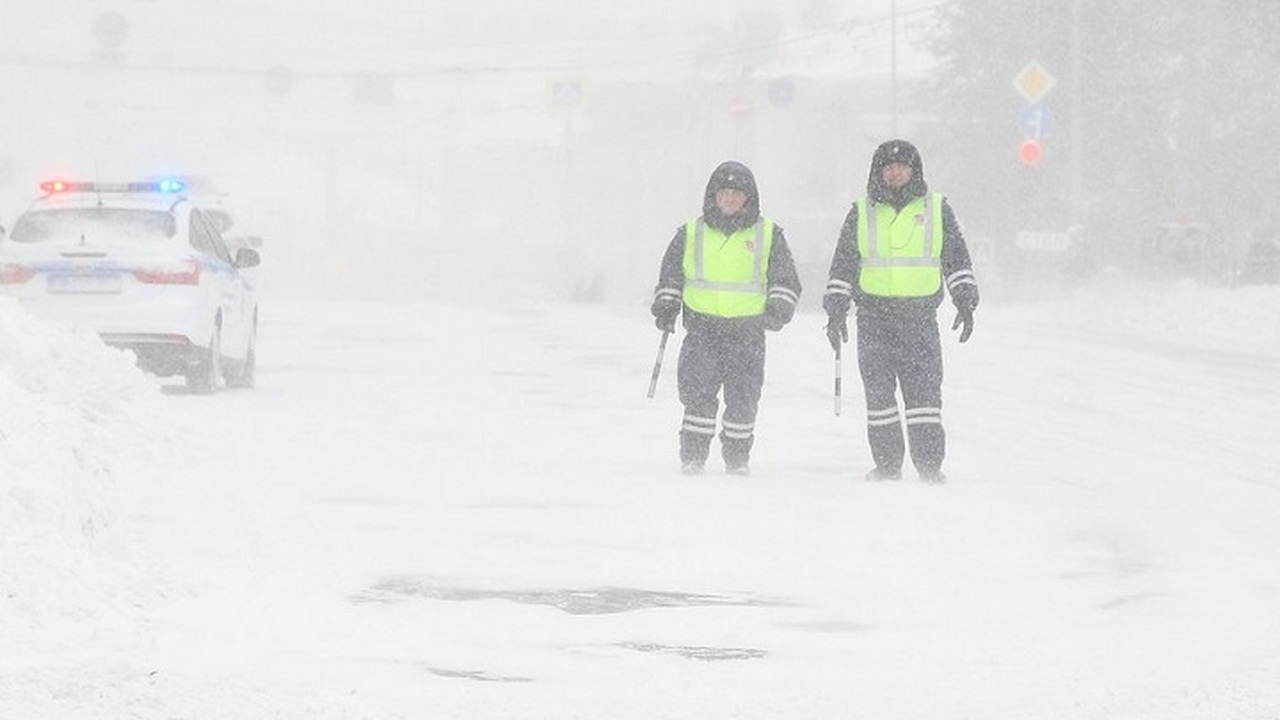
{"x": 1030, "y": 152}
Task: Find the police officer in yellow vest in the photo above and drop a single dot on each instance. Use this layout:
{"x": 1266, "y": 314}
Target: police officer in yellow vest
{"x": 900, "y": 245}
{"x": 731, "y": 273}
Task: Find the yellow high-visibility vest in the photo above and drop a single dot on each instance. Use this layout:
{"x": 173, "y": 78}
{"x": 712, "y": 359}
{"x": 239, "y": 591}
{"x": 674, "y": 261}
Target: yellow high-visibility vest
{"x": 901, "y": 249}
{"x": 727, "y": 276}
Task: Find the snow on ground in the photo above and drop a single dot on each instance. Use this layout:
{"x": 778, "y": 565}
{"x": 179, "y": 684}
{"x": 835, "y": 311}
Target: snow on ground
{"x": 430, "y": 511}
{"x": 76, "y": 419}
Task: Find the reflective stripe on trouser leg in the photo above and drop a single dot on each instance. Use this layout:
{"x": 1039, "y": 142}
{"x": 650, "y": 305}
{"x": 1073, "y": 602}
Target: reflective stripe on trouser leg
{"x": 736, "y": 440}
{"x": 884, "y": 434}
{"x": 698, "y": 425}
{"x": 927, "y": 438}
{"x": 695, "y": 438}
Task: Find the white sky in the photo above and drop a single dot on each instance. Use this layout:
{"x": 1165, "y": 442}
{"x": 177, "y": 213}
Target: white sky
{"x": 425, "y": 511}
{"x": 238, "y": 34}
{"x": 348, "y": 194}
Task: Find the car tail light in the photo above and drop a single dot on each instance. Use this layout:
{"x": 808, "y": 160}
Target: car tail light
{"x": 14, "y": 274}
{"x": 186, "y": 272}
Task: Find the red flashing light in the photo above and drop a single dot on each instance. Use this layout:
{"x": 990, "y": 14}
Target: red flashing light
{"x": 53, "y": 186}
{"x": 1030, "y": 152}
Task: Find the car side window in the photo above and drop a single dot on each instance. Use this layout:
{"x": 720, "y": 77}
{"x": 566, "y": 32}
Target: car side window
{"x": 205, "y": 237}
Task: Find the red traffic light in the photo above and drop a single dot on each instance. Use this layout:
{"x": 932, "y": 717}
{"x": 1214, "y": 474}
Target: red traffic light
{"x": 1030, "y": 152}
{"x": 740, "y": 106}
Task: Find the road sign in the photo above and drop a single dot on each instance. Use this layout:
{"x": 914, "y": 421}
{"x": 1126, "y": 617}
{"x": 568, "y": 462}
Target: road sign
{"x": 111, "y": 30}
{"x": 782, "y": 91}
{"x": 1047, "y": 241}
{"x": 567, "y": 93}
{"x": 1033, "y": 82}
{"x": 1036, "y": 121}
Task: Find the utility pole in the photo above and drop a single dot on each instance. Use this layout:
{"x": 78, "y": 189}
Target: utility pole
{"x": 1077, "y": 139}
{"x": 893, "y": 64}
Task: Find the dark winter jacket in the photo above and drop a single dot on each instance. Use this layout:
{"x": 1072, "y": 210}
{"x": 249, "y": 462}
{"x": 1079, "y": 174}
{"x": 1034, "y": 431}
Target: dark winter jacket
{"x": 846, "y": 264}
{"x": 783, "y": 280}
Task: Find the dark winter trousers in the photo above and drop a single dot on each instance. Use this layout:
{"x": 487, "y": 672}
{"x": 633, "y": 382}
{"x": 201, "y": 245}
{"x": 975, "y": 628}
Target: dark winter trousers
{"x": 902, "y": 351}
{"x": 726, "y": 353}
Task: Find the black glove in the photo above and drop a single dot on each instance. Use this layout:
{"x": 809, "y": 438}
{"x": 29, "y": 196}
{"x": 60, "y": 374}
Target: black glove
{"x": 777, "y": 313}
{"x": 964, "y": 317}
{"x": 837, "y": 331}
{"x": 664, "y": 316}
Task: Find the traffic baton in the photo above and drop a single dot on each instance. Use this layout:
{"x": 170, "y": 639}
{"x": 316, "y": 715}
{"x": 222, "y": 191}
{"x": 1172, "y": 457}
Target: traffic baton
{"x": 837, "y": 393}
{"x": 657, "y": 363}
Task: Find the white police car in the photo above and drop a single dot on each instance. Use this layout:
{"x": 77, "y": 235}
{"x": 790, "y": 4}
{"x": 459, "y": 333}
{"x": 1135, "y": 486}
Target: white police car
{"x": 143, "y": 266}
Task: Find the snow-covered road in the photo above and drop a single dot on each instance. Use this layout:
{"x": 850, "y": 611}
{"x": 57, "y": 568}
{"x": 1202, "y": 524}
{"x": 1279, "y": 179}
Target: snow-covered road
{"x": 431, "y": 512}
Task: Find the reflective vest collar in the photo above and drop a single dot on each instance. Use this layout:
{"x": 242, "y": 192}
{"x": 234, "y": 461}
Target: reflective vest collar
{"x": 874, "y": 258}
{"x": 699, "y": 279}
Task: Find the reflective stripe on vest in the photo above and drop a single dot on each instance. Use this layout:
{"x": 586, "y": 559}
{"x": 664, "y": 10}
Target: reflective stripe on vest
{"x": 901, "y": 250}
{"x": 727, "y": 276}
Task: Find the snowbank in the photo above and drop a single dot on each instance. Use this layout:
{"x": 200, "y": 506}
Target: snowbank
{"x": 78, "y": 424}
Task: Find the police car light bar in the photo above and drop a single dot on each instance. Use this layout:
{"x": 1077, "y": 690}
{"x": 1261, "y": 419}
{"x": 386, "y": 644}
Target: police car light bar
{"x": 160, "y": 186}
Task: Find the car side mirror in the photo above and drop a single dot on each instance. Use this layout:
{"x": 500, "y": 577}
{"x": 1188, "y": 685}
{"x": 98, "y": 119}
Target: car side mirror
{"x": 221, "y": 219}
{"x": 247, "y": 258}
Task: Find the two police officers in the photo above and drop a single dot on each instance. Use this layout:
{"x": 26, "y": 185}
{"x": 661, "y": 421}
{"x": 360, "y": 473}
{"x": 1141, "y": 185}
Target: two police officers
{"x": 731, "y": 274}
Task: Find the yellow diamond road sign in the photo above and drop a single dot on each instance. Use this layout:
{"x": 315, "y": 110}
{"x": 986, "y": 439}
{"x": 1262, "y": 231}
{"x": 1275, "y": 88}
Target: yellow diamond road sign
{"x": 1034, "y": 82}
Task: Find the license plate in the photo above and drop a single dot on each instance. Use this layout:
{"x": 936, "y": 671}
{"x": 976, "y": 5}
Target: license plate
{"x": 88, "y": 283}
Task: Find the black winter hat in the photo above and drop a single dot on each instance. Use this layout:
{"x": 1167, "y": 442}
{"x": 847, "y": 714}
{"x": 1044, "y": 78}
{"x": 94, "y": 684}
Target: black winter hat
{"x": 897, "y": 151}
{"x": 735, "y": 175}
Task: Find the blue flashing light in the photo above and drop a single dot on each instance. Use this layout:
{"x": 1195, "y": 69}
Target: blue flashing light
{"x": 170, "y": 186}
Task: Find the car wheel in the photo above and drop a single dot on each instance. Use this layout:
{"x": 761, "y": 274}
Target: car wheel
{"x": 245, "y": 378}
{"x": 203, "y": 378}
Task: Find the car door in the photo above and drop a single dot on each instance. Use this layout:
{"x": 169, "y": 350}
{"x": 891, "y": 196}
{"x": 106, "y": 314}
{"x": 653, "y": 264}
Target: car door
{"x": 242, "y": 297}
{"x": 228, "y": 285}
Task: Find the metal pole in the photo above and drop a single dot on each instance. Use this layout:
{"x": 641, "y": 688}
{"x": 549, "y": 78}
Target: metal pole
{"x": 893, "y": 64}
{"x": 1077, "y": 139}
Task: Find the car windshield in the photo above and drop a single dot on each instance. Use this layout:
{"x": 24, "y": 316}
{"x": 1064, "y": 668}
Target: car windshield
{"x": 95, "y": 225}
